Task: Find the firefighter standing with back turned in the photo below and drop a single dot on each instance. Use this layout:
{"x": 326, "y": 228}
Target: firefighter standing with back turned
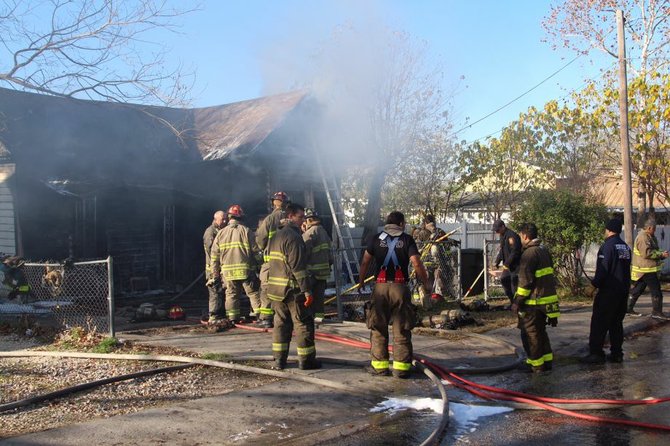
{"x": 536, "y": 301}
{"x": 392, "y": 250}
{"x": 509, "y": 255}
{"x": 265, "y": 232}
{"x": 214, "y": 287}
{"x": 319, "y": 259}
{"x": 289, "y": 289}
{"x": 233, "y": 258}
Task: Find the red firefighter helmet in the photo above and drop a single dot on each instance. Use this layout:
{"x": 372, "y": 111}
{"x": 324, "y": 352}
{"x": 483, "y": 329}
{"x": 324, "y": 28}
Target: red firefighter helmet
{"x": 235, "y": 211}
{"x": 176, "y": 313}
{"x": 280, "y": 196}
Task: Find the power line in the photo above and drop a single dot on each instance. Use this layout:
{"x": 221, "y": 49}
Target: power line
{"x": 517, "y": 98}
{"x": 585, "y": 83}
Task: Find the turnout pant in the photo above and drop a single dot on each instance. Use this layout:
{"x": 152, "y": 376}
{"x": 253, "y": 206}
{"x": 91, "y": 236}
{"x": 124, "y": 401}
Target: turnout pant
{"x": 215, "y": 293}
{"x": 391, "y": 302}
{"x": 234, "y": 289}
{"x": 265, "y": 309}
{"x": 650, "y": 280}
{"x": 509, "y": 282}
{"x": 533, "y": 325}
{"x": 289, "y": 315}
{"x": 609, "y": 310}
{"x": 318, "y": 292}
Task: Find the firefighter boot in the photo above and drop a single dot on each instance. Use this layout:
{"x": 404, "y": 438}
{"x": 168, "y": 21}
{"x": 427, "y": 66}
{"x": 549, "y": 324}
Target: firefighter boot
{"x": 309, "y": 363}
{"x": 631, "y": 304}
{"x": 657, "y": 309}
{"x": 280, "y": 362}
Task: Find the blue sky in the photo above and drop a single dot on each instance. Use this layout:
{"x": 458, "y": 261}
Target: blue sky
{"x": 496, "y": 45}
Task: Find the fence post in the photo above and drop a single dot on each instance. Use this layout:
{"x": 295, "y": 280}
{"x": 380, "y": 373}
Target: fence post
{"x": 337, "y": 263}
{"x": 110, "y": 295}
{"x": 459, "y": 287}
{"x": 464, "y": 239}
{"x": 486, "y": 270}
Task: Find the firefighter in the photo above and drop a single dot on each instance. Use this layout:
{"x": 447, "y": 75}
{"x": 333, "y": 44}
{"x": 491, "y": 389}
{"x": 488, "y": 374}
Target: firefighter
{"x": 612, "y": 279}
{"x": 647, "y": 260}
{"x": 509, "y": 255}
{"x": 319, "y": 259}
{"x": 266, "y": 231}
{"x": 290, "y": 292}
{"x": 392, "y": 250}
{"x": 233, "y": 258}
{"x": 536, "y": 301}
{"x": 214, "y": 287}
{"x": 436, "y": 262}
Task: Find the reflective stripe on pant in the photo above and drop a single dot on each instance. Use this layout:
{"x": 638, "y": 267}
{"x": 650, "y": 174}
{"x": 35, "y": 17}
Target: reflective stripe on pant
{"x": 318, "y": 292}
{"x": 391, "y": 301}
{"x": 533, "y": 325}
{"x": 609, "y": 310}
{"x": 291, "y": 314}
{"x": 265, "y": 309}
{"x": 234, "y": 290}
{"x": 215, "y": 300}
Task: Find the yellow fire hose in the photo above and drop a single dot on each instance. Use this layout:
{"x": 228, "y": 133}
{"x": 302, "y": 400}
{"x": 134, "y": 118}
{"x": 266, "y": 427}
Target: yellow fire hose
{"x": 352, "y": 288}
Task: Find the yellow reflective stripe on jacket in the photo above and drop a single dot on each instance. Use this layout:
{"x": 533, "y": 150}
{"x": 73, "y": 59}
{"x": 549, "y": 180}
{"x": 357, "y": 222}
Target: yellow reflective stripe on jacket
{"x": 379, "y": 365}
{"x": 271, "y": 233}
{"x": 231, "y": 245}
{"x": 305, "y": 351}
{"x": 401, "y": 366}
{"x": 544, "y": 271}
{"x": 321, "y": 247}
{"x": 643, "y": 270}
{"x": 276, "y": 297}
{"x": 281, "y": 281}
{"x": 276, "y": 255}
{"x": 233, "y": 266}
{"x": 24, "y": 288}
{"x": 318, "y": 266}
{"x": 299, "y": 274}
{"x": 525, "y": 292}
{"x": 542, "y": 300}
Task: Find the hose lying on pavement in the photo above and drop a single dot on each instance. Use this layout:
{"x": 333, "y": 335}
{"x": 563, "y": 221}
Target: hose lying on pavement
{"x": 189, "y": 360}
{"x": 437, "y": 433}
{"x": 89, "y": 385}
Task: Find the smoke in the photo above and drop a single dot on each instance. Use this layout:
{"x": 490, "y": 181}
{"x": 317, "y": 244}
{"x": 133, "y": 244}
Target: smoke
{"x": 344, "y": 63}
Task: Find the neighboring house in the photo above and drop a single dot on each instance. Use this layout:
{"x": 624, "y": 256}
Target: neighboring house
{"x": 611, "y": 193}
{"x": 89, "y": 179}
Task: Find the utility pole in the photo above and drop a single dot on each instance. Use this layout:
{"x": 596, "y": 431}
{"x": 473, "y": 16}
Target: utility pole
{"x": 623, "y": 133}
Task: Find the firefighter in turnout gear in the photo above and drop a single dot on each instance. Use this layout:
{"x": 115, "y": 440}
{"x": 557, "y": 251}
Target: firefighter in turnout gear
{"x": 509, "y": 255}
{"x": 233, "y": 258}
{"x": 393, "y": 250}
{"x": 319, "y": 259}
{"x": 214, "y": 287}
{"x": 266, "y": 232}
{"x": 647, "y": 261}
{"x": 289, "y": 289}
{"x": 536, "y": 301}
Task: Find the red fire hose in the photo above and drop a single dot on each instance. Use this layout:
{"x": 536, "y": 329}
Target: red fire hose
{"x": 499, "y": 394}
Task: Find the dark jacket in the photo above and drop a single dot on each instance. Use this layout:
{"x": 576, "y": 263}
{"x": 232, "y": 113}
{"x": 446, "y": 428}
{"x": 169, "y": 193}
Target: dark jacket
{"x": 613, "y": 267}
{"x": 510, "y": 251}
{"x": 537, "y": 284}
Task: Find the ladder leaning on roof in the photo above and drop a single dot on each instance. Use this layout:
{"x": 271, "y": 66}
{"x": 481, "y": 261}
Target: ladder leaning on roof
{"x": 342, "y": 238}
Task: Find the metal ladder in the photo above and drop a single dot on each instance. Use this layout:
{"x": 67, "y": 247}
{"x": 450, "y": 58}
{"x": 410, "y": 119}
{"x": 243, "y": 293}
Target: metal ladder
{"x": 341, "y": 232}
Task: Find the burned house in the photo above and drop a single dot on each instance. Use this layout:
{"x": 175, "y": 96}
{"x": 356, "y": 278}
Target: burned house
{"x": 87, "y": 179}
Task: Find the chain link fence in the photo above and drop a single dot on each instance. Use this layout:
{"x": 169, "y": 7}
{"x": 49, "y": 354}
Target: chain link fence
{"x": 442, "y": 262}
{"x": 492, "y": 287}
{"x": 73, "y": 293}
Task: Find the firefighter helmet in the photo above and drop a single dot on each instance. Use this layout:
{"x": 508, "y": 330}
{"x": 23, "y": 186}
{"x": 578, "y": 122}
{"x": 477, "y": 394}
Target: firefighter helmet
{"x": 311, "y": 213}
{"x": 235, "y": 211}
{"x": 280, "y": 196}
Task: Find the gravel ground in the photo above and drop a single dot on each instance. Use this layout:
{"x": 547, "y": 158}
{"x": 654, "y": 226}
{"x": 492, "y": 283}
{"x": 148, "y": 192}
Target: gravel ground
{"x": 26, "y": 377}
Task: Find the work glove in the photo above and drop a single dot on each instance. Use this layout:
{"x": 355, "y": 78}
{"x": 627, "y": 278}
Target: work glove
{"x": 213, "y": 281}
{"x": 309, "y": 299}
{"x": 553, "y": 321}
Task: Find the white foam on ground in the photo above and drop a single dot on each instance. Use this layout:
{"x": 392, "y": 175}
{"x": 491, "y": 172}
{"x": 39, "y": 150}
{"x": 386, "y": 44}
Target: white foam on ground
{"x": 464, "y": 416}
{"x": 394, "y": 405}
